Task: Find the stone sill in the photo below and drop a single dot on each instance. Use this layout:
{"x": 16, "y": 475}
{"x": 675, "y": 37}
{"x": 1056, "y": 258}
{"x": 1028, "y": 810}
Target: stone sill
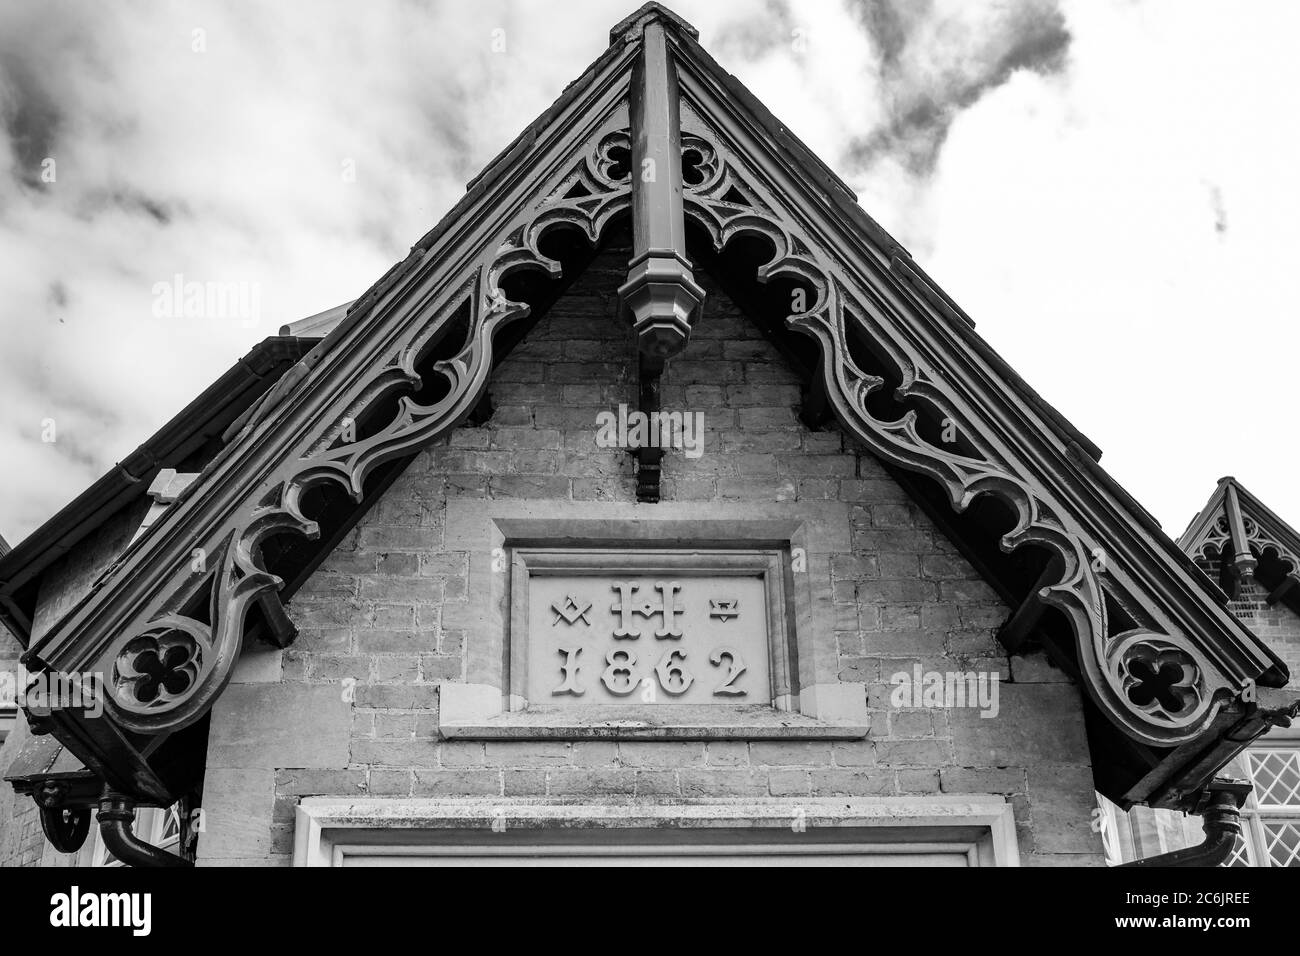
{"x": 664, "y": 722}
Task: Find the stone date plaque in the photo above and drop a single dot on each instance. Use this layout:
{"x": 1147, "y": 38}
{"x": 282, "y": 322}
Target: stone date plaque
{"x": 627, "y": 630}
{"x": 685, "y": 621}
{"x": 648, "y": 639}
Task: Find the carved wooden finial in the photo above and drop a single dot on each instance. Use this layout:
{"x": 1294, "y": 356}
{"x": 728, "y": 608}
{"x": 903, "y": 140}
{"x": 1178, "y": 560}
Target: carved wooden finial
{"x": 1243, "y": 559}
{"x": 631, "y": 28}
{"x": 660, "y": 296}
{"x": 660, "y": 293}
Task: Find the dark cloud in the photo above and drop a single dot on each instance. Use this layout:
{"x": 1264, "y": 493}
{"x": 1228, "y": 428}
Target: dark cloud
{"x": 934, "y": 64}
{"x": 30, "y": 118}
{"x": 126, "y": 199}
{"x": 890, "y": 24}
{"x": 754, "y": 38}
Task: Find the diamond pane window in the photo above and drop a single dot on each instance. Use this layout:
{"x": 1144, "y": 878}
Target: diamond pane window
{"x": 1282, "y": 841}
{"x": 1270, "y": 820}
{"x": 1276, "y": 774}
{"x": 1240, "y": 854}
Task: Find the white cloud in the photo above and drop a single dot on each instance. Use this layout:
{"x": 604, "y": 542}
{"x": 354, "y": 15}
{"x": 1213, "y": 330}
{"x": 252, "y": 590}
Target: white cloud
{"x": 1072, "y": 209}
{"x": 1121, "y": 233}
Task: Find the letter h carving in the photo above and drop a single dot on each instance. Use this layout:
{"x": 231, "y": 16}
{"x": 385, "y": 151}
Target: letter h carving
{"x": 668, "y": 608}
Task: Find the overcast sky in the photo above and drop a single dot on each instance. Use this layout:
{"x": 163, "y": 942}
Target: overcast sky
{"x": 1111, "y": 188}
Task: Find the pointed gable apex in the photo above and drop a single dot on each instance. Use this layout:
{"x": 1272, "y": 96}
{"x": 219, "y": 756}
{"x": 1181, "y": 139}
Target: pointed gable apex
{"x": 888, "y": 355}
{"x": 1241, "y": 539}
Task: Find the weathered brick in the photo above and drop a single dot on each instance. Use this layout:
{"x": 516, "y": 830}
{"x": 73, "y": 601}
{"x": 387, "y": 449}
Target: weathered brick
{"x": 852, "y": 783}
{"x": 394, "y": 753}
{"x": 380, "y": 640}
{"x": 917, "y": 781}
{"x": 391, "y": 538}
{"x": 408, "y": 696}
{"x": 656, "y": 783}
{"x": 800, "y": 753}
{"x": 528, "y": 486}
{"x": 456, "y": 783}
{"x": 723, "y": 783}
{"x": 591, "y": 782}
{"x": 390, "y": 589}
{"x": 309, "y": 783}
{"x": 390, "y": 783}
{"x": 912, "y": 753}
{"x": 1035, "y": 723}
{"x": 982, "y": 780}
{"x": 461, "y": 753}
{"x": 789, "y": 783}
{"x": 524, "y": 783}
{"x": 661, "y": 754}
{"x": 528, "y": 753}
{"x": 757, "y": 489}
{"x": 440, "y": 667}
{"x": 261, "y": 726}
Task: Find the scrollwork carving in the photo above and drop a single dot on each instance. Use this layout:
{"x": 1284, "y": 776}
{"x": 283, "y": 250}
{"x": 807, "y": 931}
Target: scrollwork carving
{"x": 166, "y": 672}
{"x": 1079, "y": 590}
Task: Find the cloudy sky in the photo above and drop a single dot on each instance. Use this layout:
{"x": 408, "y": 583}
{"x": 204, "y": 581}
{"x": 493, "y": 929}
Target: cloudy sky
{"x": 1109, "y": 187}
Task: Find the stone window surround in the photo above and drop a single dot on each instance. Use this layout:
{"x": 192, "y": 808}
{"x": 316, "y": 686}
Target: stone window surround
{"x": 820, "y": 706}
{"x": 328, "y": 829}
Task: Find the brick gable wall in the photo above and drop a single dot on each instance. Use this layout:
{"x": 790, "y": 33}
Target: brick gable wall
{"x": 351, "y": 709}
{"x": 387, "y": 611}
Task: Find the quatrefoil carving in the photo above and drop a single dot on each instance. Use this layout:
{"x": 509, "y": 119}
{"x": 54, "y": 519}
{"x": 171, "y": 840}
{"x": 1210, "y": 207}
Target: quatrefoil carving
{"x": 157, "y": 667}
{"x": 1160, "y": 679}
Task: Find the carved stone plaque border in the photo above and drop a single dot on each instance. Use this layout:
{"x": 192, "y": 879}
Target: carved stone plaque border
{"x": 506, "y": 540}
{"x": 683, "y": 564}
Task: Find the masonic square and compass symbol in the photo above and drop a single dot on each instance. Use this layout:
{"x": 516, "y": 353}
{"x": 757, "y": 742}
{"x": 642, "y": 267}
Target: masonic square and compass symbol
{"x": 570, "y": 611}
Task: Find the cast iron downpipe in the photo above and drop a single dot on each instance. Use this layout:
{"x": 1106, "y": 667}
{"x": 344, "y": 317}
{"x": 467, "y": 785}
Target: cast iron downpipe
{"x": 1221, "y": 812}
{"x": 116, "y": 814}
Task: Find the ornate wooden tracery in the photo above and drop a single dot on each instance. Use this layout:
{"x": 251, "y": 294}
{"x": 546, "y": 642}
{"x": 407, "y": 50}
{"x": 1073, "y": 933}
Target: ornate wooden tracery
{"x": 1247, "y": 540}
{"x": 166, "y": 645}
{"x": 167, "y": 624}
{"x": 165, "y": 673}
{"x": 1117, "y": 663}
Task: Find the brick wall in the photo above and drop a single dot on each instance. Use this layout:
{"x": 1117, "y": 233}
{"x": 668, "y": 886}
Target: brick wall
{"x": 1276, "y": 625}
{"x": 20, "y": 830}
{"x": 22, "y": 842}
{"x": 385, "y": 610}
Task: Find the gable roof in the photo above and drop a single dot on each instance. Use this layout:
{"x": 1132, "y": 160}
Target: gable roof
{"x": 180, "y": 443}
{"x": 1093, "y": 578}
{"x": 1248, "y": 540}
